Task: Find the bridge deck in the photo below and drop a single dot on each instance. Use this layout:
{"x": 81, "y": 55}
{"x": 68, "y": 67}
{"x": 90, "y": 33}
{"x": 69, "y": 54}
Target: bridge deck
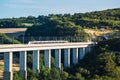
{"x": 29, "y": 47}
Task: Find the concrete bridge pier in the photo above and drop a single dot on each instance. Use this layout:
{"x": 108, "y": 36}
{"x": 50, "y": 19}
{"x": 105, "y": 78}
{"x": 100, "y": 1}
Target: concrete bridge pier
{"x": 36, "y": 60}
{"x": 58, "y": 58}
{"x": 66, "y": 57}
{"x": 75, "y": 55}
{"x": 90, "y": 48}
{"x": 47, "y": 58}
{"x": 81, "y": 53}
{"x": 23, "y": 71}
{"x": 86, "y": 50}
{"x": 8, "y": 75}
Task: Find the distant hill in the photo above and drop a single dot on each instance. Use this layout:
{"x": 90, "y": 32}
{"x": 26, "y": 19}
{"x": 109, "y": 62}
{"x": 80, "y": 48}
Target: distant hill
{"x": 108, "y": 19}
{"x": 110, "y": 14}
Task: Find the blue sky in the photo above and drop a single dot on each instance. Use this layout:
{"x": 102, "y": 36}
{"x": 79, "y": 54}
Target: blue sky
{"x": 21, "y": 8}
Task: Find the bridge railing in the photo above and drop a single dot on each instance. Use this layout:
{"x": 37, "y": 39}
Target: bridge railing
{"x": 25, "y": 40}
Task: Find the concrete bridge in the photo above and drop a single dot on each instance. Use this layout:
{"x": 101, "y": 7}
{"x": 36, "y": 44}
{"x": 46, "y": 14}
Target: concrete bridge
{"x": 79, "y": 49}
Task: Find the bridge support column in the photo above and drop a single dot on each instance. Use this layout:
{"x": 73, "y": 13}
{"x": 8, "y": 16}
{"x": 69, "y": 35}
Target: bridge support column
{"x": 86, "y": 50}
{"x": 36, "y": 60}
{"x": 89, "y": 48}
{"x": 58, "y": 58}
{"x": 66, "y": 58}
{"x": 75, "y": 55}
{"x": 8, "y": 75}
{"x": 47, "y": 58}
{"x": 81, "y": 53}
{"x": 23, "y": 71}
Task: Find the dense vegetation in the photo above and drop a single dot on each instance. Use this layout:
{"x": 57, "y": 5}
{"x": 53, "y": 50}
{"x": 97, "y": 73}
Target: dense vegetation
{"x": 108, "y": 19}
{"x": 102, "y": 63}
{"x": 57, "y": 29}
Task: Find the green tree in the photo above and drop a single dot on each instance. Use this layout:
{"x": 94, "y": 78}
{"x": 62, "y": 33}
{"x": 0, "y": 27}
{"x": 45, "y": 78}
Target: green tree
{"x": 79, "y": 76}
{"x": 16, "y": 76}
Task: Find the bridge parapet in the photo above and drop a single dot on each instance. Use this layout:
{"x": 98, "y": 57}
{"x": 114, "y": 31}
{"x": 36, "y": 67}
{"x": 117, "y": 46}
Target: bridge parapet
{"x": 47, "y": 42}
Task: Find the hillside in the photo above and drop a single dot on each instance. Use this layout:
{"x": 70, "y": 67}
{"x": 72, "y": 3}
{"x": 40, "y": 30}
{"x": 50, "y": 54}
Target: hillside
{"x": 56, "y": 30}
{"x": 110, "y": 14}
{"x": 108, "y": 19}
{"x": 94, "y": 32}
